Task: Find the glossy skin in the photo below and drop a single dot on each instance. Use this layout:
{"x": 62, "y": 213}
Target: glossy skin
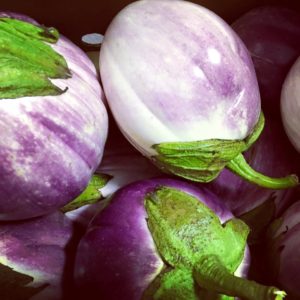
{"x": 173, "y": 71}
{"x": 37, "y": 248}
{"x": 285, "y": 251}
{"x": 272, "y": 155}
{"x": 117, "y": 257}
{"x": 125, "y": 164}
{"x": 50, "y": 146}
{"x": 272, "y": 36}
{"x": 290, "y": 104}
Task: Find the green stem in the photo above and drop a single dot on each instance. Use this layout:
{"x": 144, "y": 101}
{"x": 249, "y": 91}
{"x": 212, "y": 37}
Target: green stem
{"x": 253, "y": 137}
{"x": 90, "y": 195}
{"x": 210, "y": 274}
{"x": 239, "y": 166}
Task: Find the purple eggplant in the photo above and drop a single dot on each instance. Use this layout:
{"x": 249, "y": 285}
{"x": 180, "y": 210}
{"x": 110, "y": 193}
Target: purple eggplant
{"x": 182, "y": 88}
{"x": 53, "y": 122}
{"x": 36, "y": 257}
{"x": 272, "y": 36}
{"x": 290, "y": 104}
{"x": 165, "y": 239}
{"x": 284, "y": 255}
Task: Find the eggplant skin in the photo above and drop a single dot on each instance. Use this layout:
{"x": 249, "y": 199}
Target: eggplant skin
{"x": 272, "y": 36}
{"x": 290, "y": 105}
{"x": 37, "y": 253}
{"x": 51, "y": 145}
{"x": 284, "y": 249}
{"x": 117, "y": 258}
{"x": 198, "y": 81}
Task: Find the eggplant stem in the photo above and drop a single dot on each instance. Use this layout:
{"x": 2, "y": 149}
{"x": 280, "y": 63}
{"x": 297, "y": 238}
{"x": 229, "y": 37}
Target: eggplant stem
{"x": 240, "y": 167}
{"x": 212, "y": 275}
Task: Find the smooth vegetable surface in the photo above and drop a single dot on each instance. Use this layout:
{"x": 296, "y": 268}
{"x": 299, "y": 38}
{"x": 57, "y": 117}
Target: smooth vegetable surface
{"x": 284, "y": 255}
{"x": 35, "y": 257}
{"x": 163, "y": 239}
{"x": 121, "y": 164}
{"x": 272, "y": 36}
{"x": 50, "y": 144}
{"x": 290, "y": 105}
{"x": 188, "y": 100}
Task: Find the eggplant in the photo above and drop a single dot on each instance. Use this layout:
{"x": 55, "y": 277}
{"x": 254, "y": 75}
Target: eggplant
{"x": 290, "y": 105}
{"x": 165, "y": 239}
{"x": 53, "y": 122}
{"x": 37, "y": 257}
{"x": 182, "y": 87}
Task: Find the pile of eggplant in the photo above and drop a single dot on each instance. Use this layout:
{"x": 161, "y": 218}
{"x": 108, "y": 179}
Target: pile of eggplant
{"x": 167, "y": 169}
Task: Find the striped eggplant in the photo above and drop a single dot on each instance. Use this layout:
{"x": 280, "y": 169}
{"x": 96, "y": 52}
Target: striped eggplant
{"x": 165, "y": 239}
{"x": 53, "y": 124}
{"x": 183, "y": 90}
{"x": 290, "y": 104}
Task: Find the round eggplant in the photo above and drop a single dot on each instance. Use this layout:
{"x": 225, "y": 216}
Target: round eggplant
{"x": 183, "y": 90}
{"x": 53, "y": 122}
{"x": 165, "y": 239}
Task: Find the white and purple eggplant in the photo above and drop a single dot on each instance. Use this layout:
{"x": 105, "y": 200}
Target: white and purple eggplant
{"x": 182, "y": 88}
{"x": 53, "y": 123}
{"x": 290, "y": 104}
{"x": 36, "y": 257}
{"x": 165, "y": 239}
{"x": 272, "y": 36}
{"x": 284, "y": 254}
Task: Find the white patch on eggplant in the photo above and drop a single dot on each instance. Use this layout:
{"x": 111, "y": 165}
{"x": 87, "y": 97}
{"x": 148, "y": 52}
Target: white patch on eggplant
{"x": 214, "y": 56}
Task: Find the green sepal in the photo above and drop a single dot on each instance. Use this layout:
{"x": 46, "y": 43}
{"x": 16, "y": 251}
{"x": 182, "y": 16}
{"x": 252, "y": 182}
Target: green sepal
{"x": 90, "y": 195}
{"x": 27, "y": 60}
{"x": 15, "y": 285}
{"x": 179, "y": 284}
{"x": 259, "y": 218}
{"x": 176, "y": 284}
{"x": 211, "y": 295}
{"x": 202, "y": 161}
{"x": 184, "y": 229}
{"x": 256, "y": 132}
{"x": 198, "y": 249}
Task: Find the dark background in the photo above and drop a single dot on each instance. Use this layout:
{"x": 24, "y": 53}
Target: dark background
{"x": 76, "y": 18}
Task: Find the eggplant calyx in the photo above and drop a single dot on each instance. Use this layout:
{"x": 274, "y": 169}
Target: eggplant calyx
{"x": 90, "y": 195}
{"x": 212, "y": 275}
{"x": 202, "y": 161}
{"x": 27, "y": 60}
{"x": 184, "y": 229}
